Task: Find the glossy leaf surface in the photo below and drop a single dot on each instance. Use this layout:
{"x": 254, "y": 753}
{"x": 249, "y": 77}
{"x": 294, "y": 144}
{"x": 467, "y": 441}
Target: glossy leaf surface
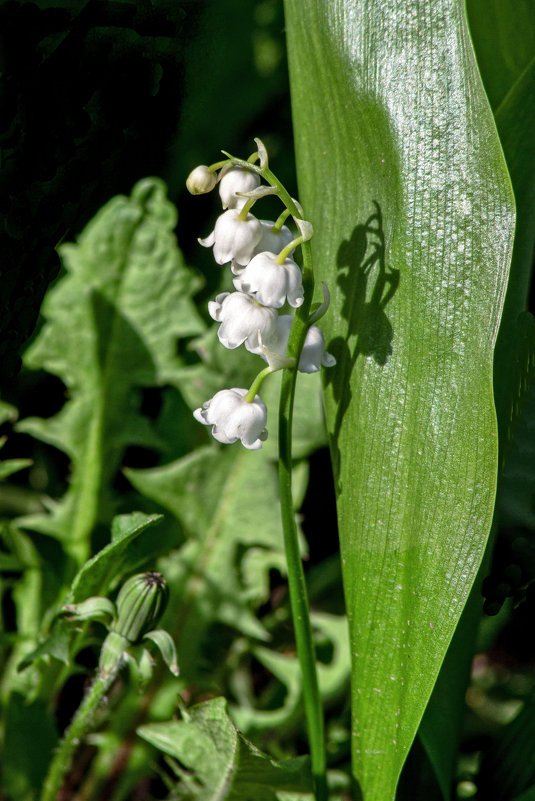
{"x": 401, "y": 172}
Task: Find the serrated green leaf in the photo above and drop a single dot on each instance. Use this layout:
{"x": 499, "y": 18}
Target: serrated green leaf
{"x": 11, "y": 466}
{"x": 55, "y": 645}
{"x": 103, "y": 572}
{"x": 226, "y": 765}
{"x": 226, "y": 500}
{"x": 401, "y": 172}
{"x": 333, "y": 677}
{"x": 111, "y": 326}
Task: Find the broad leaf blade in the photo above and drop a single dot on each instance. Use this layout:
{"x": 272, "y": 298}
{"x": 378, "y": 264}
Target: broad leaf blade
{"x": 504, "y": 41}
{"x": 401, "y": 172}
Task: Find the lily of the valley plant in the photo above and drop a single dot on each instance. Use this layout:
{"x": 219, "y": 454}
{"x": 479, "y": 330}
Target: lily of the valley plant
{"x": 267, "y": 278}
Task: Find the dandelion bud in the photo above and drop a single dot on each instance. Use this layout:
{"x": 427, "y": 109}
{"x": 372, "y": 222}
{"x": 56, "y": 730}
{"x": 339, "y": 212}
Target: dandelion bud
{"x": 140, "y": 604}
{"x": 201, "y": 180}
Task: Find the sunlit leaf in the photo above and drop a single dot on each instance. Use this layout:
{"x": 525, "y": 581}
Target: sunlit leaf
{"x": 504, "y": 41}
{"x": 504, "y": 37}
{"x": 401, "y": 172}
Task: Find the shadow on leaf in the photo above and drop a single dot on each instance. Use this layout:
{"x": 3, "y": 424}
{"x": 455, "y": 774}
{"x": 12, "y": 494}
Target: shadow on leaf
{"x": 368, "y": 285}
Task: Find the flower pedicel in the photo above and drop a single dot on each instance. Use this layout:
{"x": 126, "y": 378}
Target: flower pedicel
{"x": 267, "y": 278}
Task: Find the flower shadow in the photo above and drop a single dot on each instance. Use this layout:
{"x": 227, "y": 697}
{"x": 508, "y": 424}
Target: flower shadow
{"x": 368, "y": 285}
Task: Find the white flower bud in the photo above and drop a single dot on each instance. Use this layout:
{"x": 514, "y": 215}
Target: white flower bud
{"x": 232, "y": 418}
{"x": 236, "y": 179}
{"x": 241, "y": 319}
{"x": 313, "y": 355}
{"x": 201, "y": 180}
{"x": 270, "y": 283}
{"x": 232, "y": 238}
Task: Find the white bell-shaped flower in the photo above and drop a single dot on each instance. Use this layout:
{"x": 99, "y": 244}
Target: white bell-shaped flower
{"x": 271, "y": 283}
{"x": 236, "y": 179}
{"x": 233, "y": 238}
{"x": 241, "y": 319}
{"x": 232, "y": 418}
{"x": 313, "y": 355}
{"x": 272, "y": 241}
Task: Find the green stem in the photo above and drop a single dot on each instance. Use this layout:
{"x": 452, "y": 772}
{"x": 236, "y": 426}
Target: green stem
{"x": 217, "y": 165}
{"x": 79, "y": 727}
{"x": 296, "y": 577}
{"x": 288, "y": 249}
{"x": 247, "y": 206}
{"x": 281, "y": 219}
{"x": 255, "y": 386}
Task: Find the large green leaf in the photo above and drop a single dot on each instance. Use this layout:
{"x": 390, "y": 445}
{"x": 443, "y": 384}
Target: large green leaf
{"x": 401, "y": 171}
{"x": 503, "y": 35}
{"x": 111, "y": 326}
{"x": 504, "y": 41}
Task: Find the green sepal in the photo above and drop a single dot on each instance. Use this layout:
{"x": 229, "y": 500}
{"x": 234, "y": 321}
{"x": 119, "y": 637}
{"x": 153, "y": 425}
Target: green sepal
{"x": 92, "y": 609}
{"x": 166, "y": 644}
{"x": 145, "y": 666}
{"x": 112, "y": 653}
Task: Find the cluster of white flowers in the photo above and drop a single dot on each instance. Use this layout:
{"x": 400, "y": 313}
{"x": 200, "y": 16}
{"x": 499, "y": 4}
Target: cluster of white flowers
{"x": 266, "y": 278}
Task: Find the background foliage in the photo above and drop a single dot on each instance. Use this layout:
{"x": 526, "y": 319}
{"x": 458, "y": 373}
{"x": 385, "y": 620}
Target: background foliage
{"x": 99, "y": 95}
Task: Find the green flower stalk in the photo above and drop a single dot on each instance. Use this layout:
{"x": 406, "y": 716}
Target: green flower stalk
{"x": 268, "y": 278}
{"x": 140, "y": 604}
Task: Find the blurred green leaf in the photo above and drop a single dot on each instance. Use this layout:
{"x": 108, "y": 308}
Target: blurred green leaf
{"x": 55, "y": 645}
{"x": 224, "y": 763}
{"x": 226, "y": 500}
{"x": 528, "y": 795}
{"x": 111, "y": 327}
{"x": 106, "y": 569}
{"x": 30, "y": 737}
{"x": 11, "y": 466}
{"x": 507, "y": 768}
{"x": 7, "y": 412}
{"x": 401, "y": 171}
{"x": 333, "y": 676}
